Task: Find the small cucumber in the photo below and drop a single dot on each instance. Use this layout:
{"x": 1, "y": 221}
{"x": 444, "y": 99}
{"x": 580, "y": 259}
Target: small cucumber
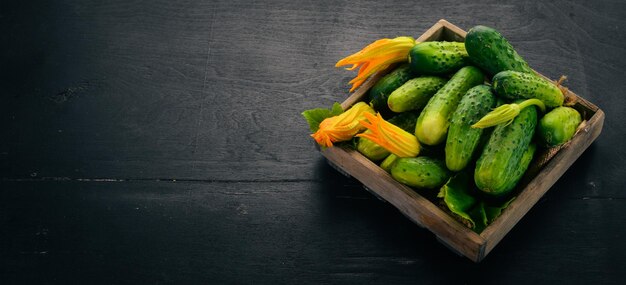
{"x": 388, "y": 162}
{"x": 379, "y": 93}
{"x": 462, "y": 138}
{"x": 490, "y": 51}
{"x": 370, "y": 149}
{"x": 375, "y": 152}
{"x": 521, "y": 168}
{"x": 414, "y": 94}
{"x": 515, "y": 85}
{"x": 558, "y": 126}
{"x": 421, "y": 172}
{"x": 437, "y": 57}
{"x": 432, "y": 124}
{"x": 502, "y": 154}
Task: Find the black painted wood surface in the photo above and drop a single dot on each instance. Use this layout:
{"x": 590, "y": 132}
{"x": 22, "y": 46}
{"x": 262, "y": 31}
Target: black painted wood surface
{"x": 161, "y": 142}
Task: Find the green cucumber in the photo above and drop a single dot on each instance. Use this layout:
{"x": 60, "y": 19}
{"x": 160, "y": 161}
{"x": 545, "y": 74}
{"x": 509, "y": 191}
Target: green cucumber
{"x": 437, "y": 57}
{"x": 379, "y": 93}
{"x": 503, "y": 153}
{"x": 432, "y": 124}
{"x": 375, "y": 152}
{"x": 490, "y": 51}
{"x": 558, "y": 126}
{"x": 421, "y": 172}
{"x": 515, "y": 85}
{"x": 414, "y": 94}
{"x": 370, "y": 149}
{"x": 462, "y": 139}
{"x": 388, "y": 162}
{"x": 521, "y": 168}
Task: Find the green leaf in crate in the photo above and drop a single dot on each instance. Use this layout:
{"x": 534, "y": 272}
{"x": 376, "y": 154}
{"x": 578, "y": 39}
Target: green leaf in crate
{"x": 484, "y": 214}
{"x": 493, "y": 212}
{"x": 479, "y": 216}
{"x": 456, "y": 196}
{"x": 315, "y": 116}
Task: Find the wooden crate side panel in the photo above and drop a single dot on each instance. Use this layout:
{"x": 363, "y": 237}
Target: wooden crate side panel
{"x": 452, "y": 32}
{"x": 407, "y": 201}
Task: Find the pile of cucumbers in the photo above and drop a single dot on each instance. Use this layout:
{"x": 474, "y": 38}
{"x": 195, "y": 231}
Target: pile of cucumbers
{"x": 445, "y": 88}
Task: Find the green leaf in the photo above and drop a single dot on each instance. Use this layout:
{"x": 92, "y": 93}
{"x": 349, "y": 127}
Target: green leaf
{"x": 315, "y": 116}
{"x": 456, "y": 195}
{"x": 492, "y": 212}
{"x": 336, "y": 109}
{"x": 484, "y": 214}
{"x": 478, "y": 215}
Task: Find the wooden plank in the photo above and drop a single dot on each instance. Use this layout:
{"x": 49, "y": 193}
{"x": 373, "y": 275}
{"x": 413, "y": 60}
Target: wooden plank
{"x": 329, "y": 232}
{"x": 111, "y": 89}
{"x": 452, "y": 32}
{"x": 407, "y": 201}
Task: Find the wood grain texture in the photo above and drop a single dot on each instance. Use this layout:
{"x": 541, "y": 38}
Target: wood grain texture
{"x": 139, "y": 94}
{"x": 413, "y": 205}
{"x": 322, "y": 232}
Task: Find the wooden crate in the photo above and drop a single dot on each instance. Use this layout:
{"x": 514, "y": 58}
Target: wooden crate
{"x": 545, "y": 170}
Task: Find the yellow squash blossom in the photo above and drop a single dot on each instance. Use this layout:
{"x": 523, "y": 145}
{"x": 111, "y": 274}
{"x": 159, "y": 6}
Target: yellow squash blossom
{"x": 376, "y": 57}
{"x": 391, "y": 137}
{"x": 342, "y": 127}
{"x": 506, "y": 113}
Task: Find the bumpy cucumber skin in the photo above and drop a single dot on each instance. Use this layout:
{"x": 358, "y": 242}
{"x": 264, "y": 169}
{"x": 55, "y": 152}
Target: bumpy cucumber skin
{"x": 370, "y": 149}
{"x": 379, "y": 93}
{"x": 558, "y": 126}
{"x": 521, "y": 168}
{"x": 421, "y": 172}
{"x": 375, "y": 152}
{"x": 462, "y": 139}
{"x": 489, "y": 50}
{"x": 503, "y": 153}
{"x": 515, "y": 85}
{"x": 414, "y": 94}
{"x": 437, "y": 57}
{"x": 432, "y": 124}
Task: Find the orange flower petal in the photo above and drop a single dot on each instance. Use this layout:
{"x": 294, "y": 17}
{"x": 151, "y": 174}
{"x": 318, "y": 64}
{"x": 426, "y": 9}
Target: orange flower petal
{"x": 376, "y": 57}
{"x": 342, "y": 127}
{"x": 390, "y": 137}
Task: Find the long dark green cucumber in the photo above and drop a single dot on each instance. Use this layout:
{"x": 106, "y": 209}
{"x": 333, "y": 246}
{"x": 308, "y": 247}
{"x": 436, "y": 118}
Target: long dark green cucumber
{"x": 515, "y": 85}
{"x": 503, "y": 153}
{"x": 432, "y": 124}
{"x": 421, "y": 172}
{"x": 462, "y": 139}
{"x": 558, "y": 126}
{"x": 379, "y": 93}
{"x": 437, "y": 57}
{"x": 414, "y": 94}
{"x": 489, "y": 50}
{"x": 521, "y": 168}
{"x": 375, "y": 152}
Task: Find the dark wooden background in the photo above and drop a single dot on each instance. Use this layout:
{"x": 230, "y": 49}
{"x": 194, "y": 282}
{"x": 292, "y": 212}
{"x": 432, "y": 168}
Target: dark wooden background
{"x": 161, "y": 142}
